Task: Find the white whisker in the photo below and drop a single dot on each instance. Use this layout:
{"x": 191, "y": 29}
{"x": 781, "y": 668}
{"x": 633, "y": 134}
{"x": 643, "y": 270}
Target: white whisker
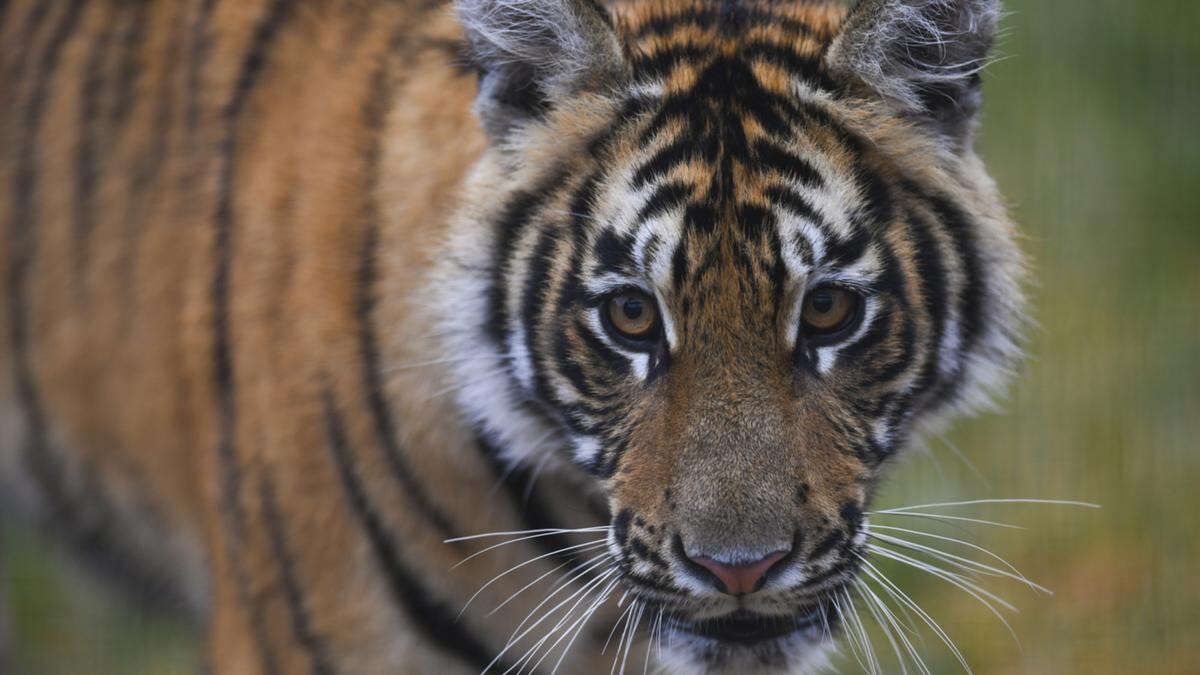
{"x": 600, "y": 599}
{"x": 539, "y": 534}
{"x": 882, "y": 623}
{"x": 622, "y": 653}
{"x": 655, "y": 636}
{"x": 931, "y": 568}
{"x": 570, "y": 625}
{"x": 962, "y": 583}
{"x": 975, "y": 502}
{"x": 637, "y": 621}
{"x": 900, "y": 632}
{"x": 960, "y": 542}
{"x": 580, "y": 547}
{"x": 942, "y": 516}
{"x": 570, "y": 577}
{"x": 616, "y": 623}
{"x": 960, "y": 562}
{"x": 517, "y": 638}
{"x": 903, "y": 598}
{"x": 850, "y": 637}
{"x": 856, "y": 622}
{"x": 541, "y": 576}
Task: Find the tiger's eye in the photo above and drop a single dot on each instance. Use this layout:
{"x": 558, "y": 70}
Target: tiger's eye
{"x": 828, "y": 309}
{"x": 633, "y": 315}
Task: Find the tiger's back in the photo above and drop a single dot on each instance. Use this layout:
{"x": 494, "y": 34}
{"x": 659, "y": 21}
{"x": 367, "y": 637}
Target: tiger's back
{"x": 274, "y": 340}
{"x": 154, "y": 150}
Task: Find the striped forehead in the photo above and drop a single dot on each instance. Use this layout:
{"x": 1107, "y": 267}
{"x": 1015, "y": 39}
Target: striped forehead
{"x": 809, "y": 199}
{"x": 683, "y": 29}
{"x": 722, "y": 145}
{"x": 819, "y": 227}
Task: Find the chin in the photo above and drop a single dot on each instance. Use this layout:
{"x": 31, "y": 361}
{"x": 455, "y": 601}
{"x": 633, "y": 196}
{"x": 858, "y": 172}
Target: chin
{"x": 749, "y": 644}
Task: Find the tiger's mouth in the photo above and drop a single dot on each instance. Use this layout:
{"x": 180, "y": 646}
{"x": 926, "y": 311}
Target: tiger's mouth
{"x": 745, "y": 628}
{"x": 751, "y": 629}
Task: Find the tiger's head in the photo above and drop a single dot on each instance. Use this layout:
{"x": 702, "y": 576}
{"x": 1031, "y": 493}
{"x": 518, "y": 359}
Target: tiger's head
{"x": 727, "y": 257}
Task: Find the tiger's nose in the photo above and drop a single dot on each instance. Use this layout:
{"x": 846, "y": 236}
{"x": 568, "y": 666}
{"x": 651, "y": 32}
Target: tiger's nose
{"x": 740, "y": 577}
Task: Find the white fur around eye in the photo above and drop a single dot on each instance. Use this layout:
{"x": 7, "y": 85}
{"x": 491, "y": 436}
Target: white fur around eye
{"x": 827, "y": 355}
{"x": 638, "y": 361}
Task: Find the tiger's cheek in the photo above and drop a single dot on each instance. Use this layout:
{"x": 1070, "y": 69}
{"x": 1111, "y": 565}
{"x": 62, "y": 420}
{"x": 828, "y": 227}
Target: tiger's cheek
{"x": 641, "y": 485}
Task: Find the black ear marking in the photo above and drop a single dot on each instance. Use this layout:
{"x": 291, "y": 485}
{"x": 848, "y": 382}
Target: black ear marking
{"x": 923, "y": 56}
{"x": 531, "y": 54}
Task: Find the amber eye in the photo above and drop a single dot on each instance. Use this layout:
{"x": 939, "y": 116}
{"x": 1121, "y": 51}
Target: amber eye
{"x": 829, "y": 310}
{"x": 632, "y": 315}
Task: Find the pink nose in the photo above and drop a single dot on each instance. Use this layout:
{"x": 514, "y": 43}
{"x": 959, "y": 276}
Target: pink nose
{"x": 740, "y": 578}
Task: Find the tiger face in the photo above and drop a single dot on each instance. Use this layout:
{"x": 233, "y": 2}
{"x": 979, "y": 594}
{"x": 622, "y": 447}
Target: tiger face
{"x": 726, "y": 258}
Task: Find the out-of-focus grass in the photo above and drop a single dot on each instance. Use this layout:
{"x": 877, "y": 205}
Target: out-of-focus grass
{"x": 63, "y": 620}
{"x": 1091, "y": 129}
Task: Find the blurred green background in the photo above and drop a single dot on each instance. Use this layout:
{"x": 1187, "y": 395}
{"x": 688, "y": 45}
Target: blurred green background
{"x": 1092, "y": 129}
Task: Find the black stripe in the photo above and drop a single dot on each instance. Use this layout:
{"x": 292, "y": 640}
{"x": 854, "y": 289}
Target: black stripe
{"x": 933, "y": 282}
{"x": 538, "y": 288}
{"x": 201, "y": 43}
{"x": 765, "y": 107}
{"x": 251, "y": 69}
{"x": 962, "y": 233}
{"x": 776, "y": 158}
{"x": 674, "y": 154}
{"x": 665, "y": 60}
{"x": 827, "y": 544}
{"x": 23, "y": 246}
{"x": 971, "y": 297}
{"x": 679, "y": 106}
{"x": 437, "y": 622}
{"x": 875, "y": 334}
{"x": 570, "y": 367}
{"x": 146, "y": 171}
{"x": 29, "y": 31}
{"x": 230, "y": 471}
{"x": 808, "y": 68}
{"x": 534, "y": 294}
{"x": 132, "y": 40}
{"x": 509, "y": 227}
{"x": 87, "y": 171}
{"x": 664, "y": 198}
{"x": 843, "y": 567}
{"x": 794, "y": 202}
{"x": 907, "y": 335}
{"x": 619, "y": 363}
{"x": 843, "y": 253}
{"x": 631, "y": 111}
{"x": 372, "y": 371}
{"x": 293, "y": 593}
{"x": 614, "y": 253}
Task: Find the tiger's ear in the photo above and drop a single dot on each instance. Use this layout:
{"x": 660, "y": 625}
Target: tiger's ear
{"x": 923, "y": 56}
{"x": 531, "y": 54}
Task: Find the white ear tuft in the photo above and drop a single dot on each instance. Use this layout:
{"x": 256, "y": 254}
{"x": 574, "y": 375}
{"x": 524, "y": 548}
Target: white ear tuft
{"x": 923, "y": 55}
{"x": 533, "y": 53}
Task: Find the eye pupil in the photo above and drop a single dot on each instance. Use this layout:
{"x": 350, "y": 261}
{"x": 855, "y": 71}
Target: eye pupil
{"x": 822, "y": 302}
{"x": 633, "y": 309}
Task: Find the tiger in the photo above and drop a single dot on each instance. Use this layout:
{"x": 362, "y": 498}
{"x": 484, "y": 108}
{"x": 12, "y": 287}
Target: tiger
{"x": 498, "y": 335}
